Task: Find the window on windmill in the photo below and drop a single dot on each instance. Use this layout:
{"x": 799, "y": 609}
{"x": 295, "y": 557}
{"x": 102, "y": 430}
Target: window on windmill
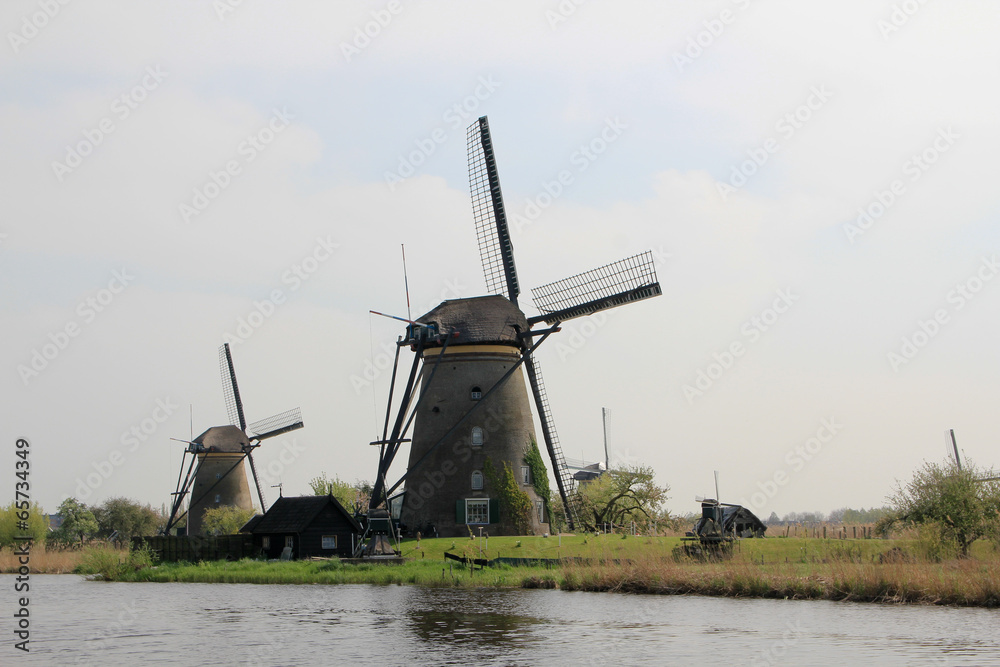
{"x": 329, "y": 541}
{"x": 540, "y": 510}
{"x": 477, "y": 480}
{"x": 477, "y": 436}
{"x": 218, "y": 475}
{"x": 476, "y": 393}
{"x": 218, "y": 497}
{"x": 477, "y": 510}
{"x": 525, "y": 475}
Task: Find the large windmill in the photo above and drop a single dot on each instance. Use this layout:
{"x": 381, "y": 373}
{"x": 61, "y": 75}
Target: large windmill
{"x": 215, "y": 474}
{"x": 472, "y": 409}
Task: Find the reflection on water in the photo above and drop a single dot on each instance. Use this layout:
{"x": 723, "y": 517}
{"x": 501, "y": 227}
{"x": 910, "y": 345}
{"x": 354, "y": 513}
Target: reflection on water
{"x": 90, "y": 623}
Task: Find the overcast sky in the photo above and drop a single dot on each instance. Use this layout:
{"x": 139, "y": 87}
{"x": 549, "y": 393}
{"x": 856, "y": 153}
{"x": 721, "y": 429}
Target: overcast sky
{"x": 817, "y": 182}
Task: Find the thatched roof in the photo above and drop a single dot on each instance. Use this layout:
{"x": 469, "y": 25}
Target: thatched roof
{"x": 481, "y": 320}
{"x": 228, "y": 439}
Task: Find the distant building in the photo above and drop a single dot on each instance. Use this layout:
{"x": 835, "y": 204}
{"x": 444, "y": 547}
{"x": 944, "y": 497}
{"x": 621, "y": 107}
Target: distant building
{"x": 589, "y": 473}
{"x": 307, "y": 525}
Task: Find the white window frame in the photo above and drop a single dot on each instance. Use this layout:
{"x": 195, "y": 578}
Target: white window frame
{"x": 289, "y": 541}
{"x": 540, "y": 510}
{"x": 477, "y": 480}
{"x": 484, "y": 513}
{"x": 327, "y": 540}
{"x": 526, "y": 475}
{"x": 477, "y": 434}
{"x": 218, "y": 498}
{"x": 476, "y": 394}
{"x": 265, "y": 542}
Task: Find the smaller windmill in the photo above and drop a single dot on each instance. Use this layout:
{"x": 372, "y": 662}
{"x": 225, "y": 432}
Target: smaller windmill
{"x": 215, "y": 475}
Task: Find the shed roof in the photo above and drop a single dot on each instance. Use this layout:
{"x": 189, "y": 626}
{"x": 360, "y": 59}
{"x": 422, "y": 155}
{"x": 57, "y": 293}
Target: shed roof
{"x": 481, "y": 320}
{"x": 294, "y": 514}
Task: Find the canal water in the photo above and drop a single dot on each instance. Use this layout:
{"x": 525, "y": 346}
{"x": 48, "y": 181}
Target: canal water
{"x": 77, "y": 622}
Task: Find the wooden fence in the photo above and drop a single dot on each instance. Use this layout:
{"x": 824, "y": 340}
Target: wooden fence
{"x": 193, "y": 549}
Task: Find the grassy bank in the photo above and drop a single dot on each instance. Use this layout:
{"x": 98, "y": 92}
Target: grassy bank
{"x": 793, "y": 568}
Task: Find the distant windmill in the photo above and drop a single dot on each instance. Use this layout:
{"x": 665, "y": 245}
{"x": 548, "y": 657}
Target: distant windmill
{"x": 215, "y": 476}
{"x": 473, "y": 407}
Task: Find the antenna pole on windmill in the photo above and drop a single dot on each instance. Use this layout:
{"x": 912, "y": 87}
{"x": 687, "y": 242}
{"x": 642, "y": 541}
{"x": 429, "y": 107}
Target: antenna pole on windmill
{"x": 406, "y": 283}
{"x": 717, "y": 487}
{"x": 604, "y": 421}
{"x": 954, "y": 446}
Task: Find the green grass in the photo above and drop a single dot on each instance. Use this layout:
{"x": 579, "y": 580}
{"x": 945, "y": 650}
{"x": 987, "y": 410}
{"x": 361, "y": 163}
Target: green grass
{"x": 793, "y": 568}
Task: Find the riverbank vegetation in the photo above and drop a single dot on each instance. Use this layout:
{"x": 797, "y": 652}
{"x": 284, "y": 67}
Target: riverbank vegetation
{"x": 885, "y": 571}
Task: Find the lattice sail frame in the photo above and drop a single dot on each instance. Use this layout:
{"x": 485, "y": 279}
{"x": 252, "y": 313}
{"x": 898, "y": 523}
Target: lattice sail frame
{"x": 283, "y": 422}
{"x": 615, "y": 284}
{"x": 230, "y": 391}
{"x": 495, "y": 248}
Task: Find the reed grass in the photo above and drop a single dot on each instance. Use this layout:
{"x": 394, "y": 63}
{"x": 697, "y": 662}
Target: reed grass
{"x": 42, "y": 560}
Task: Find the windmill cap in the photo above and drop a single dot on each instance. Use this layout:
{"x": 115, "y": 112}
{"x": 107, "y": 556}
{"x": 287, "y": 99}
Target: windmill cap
{"x": 480, "y": 320}
{"x": 223, "y": 439}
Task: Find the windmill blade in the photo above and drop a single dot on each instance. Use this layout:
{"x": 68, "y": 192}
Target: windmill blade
{"x": 256, "y": 481}
{"x": 627, "y": 280}
{"x": 564, "y": 480}
{"x": 230, "y": 390}
{"x": 283, "y": 422}
{"x": 495, "y": 249}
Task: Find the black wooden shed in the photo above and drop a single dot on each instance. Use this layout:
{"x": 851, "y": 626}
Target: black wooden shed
{"x": 309, "y": 525}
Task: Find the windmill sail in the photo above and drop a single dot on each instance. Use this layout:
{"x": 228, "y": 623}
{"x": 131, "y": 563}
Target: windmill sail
{"x": 495, "y": 249}
{"x": 283, "y": 422}
{"x": 230, "y": 390}
{"x": 627, "y": 280}
{"x": 564, "y": 481}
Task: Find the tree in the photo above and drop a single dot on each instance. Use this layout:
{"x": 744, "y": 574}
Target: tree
{"x": 628, "y": 493}
{"x": 29, "y": 521}
{"x": 952, "y": 503}
{"x": 354, "y": 497}
{"x": 226, "y": 520}
{"x": 121, "y": 519}
{"x": 773, "y": 520}
{"x": 78, "y": 521}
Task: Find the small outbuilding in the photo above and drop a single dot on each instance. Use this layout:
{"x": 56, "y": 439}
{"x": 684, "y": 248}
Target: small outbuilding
{"x": 307, "y": 526}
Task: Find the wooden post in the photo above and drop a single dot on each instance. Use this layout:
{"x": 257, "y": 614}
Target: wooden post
{"x": 824, "y": 532}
